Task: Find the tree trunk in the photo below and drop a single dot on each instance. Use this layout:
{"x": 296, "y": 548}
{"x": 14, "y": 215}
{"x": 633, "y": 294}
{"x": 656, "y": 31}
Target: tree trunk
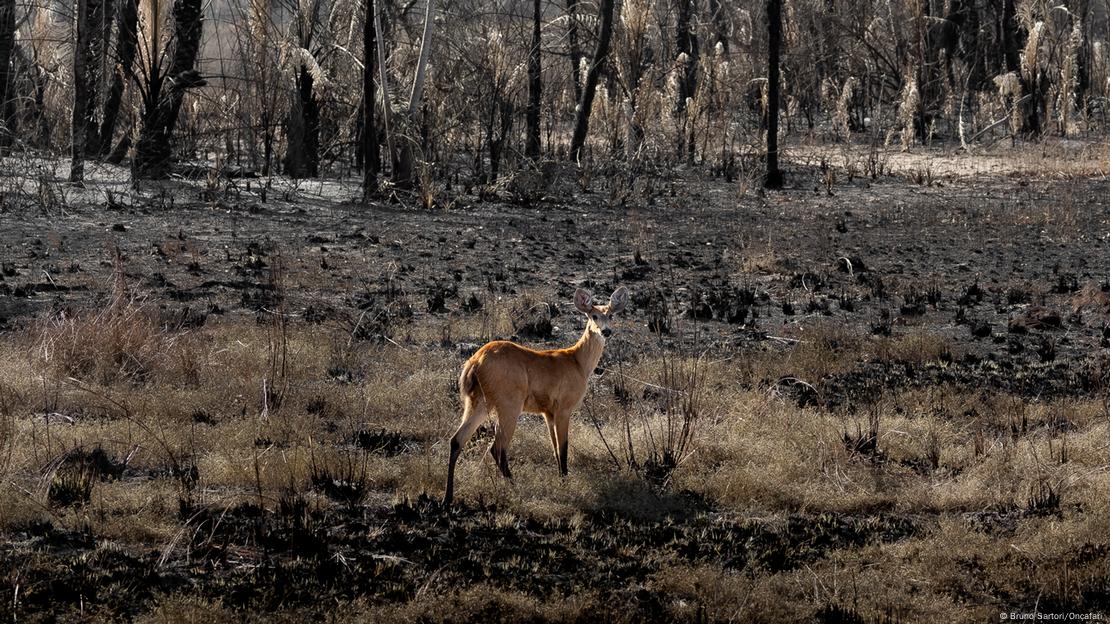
{"x": 582, "y": 118}
{"x": 31, "y": 109}
{"x": 302, "y": 145}
{"x": 81, "y": 90}
{"x": 575, "y": 52}
{"x": 685, "y": 44}
{"x": 161, "y": 107}
{"x": 504, "y": 108}
{"x": 126, "y": 44}
{"x": 422, "y": 62}
{"x": 99, "y": 34}
{"x": 921, "y": 30}
{"x": 387, "y": 104}
{"x": 1011, "y": 43}
{"x": 773, "y": 179}
{"x": 535, "y": 86}
{"x": 370, "y": 157}
{"x": 402, "y": 131}
{"x": 7, "y": 61}
{"x": 119, "y": 152}
{"x": 720, "y": 25}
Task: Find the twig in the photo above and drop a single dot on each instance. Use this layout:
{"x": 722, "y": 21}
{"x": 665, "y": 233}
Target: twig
{"x": 1001, "y": 121}
{"x": 354, "y": 331}
{"x": 126, "y": 414}
{"x": 597, "y": 425}
{"x": 30, "y": 496}
{"x": 642, "y": 382}
{"x": 396, "y": 344}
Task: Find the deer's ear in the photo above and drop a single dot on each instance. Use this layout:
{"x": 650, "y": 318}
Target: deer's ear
{"x": 618, "y": 300}
{"x": 584, "y": 301}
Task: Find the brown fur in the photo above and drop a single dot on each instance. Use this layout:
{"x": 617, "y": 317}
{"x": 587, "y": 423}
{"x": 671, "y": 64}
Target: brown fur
{"x": 503, "y": 379}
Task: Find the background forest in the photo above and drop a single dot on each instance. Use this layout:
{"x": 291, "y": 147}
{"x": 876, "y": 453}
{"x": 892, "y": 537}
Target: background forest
{"x": 471, "y": 91}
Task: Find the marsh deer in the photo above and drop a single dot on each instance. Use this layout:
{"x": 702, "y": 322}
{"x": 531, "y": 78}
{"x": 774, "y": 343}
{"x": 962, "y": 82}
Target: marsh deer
{"x": 503, "y": 379}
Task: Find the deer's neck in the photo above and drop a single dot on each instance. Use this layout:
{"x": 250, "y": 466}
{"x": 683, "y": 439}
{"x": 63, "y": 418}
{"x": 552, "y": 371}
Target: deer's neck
{"x": 588, "y": 350}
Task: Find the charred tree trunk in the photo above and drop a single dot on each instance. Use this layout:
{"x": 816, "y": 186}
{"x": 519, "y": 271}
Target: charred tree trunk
{"x": 7, "y": 62}
{"x": 162, "y": 102}
{"x": 773, "y": 179}
{"x": 575, "y": 52}
{"x": 81, "y": 89}
{"x": 370, "y": 151}
{"x": 1013, "y": 40}
{"x": 387, "y": 103}
{"x": 720, "y": 25}
{"x": 402, "y": 130}
{"x": 922, "y": 71}
{"x": 589, "y": 89}
{"x": 126, "y": 44}
{"x": 302, "y": 145}
{"x": 535, "y": 86}
{"x": 1011, "y": 43}
{"x": 100, "y": 33}
{"x": 686, "y": 47}
{"x": 31, "y": 114}
{"x": 503, "y": 108}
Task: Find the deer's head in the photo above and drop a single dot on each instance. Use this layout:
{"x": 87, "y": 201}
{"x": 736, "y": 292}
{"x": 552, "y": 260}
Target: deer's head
{"x": 599, "y": 316}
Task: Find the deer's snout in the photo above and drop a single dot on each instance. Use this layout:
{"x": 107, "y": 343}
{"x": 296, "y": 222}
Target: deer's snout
{"x": 606, "y": 332}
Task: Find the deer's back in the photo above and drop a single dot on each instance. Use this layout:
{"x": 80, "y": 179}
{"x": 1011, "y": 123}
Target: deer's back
{"x": 540, "y": 381}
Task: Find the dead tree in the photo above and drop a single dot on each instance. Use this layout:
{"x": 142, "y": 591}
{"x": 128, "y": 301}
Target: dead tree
{"x": 773, "y": 178}
{"x": 535, "y": 86}
{"x": 401, "y": 124}
{"x": 582, "y": 118}
{"x": 370, "y": 152}
{"x": 686, "y": 46}
{"x": 126, "y": 43}
{"x": 387, "y": 105}
{"x": 7, "y": 60}
{"x": 93, "y": 125}
{"x": 500, "y": 108}
{"x": 302, "y": 125}
{"x": 99, "y": 22}
{"x": 575, "y": 51}
{"x": 168, "y": 73}
{"x": 82, "y": 111}
{"x": 720, "y": 26}
{"x": 302, "y": 128}
{"x": 1010, "y": 39}
{"x": 88, "y": 63}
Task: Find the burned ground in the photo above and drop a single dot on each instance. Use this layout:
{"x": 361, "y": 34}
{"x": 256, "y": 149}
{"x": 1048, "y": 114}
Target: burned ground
{"x": 902, "y": 379}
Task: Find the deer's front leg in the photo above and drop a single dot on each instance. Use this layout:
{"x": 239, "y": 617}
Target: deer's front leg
{"x": 562, "y": 428}
{"x": 550, "y": 420}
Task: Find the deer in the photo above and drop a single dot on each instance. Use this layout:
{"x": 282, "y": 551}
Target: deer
{"x": 503, "y": 379}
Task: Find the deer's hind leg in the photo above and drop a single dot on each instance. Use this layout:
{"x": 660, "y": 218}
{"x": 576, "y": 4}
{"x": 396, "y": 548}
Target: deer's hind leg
{"x": 508, "y": 413}
{"x": 474, "y": 412}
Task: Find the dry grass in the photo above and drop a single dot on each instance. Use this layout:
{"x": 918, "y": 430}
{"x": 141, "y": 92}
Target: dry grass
{"x": 1055, "y": 159}
{"x": 123, "y": 342}
{"x": 1034, "y": 474}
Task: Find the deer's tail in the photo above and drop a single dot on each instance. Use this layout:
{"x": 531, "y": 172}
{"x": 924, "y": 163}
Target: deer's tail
{"x": 470, "y": 389}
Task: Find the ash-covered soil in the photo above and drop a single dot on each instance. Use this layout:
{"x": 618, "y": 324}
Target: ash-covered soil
{"x": 1010, "y": 273}
{"x": 297, "y": 557}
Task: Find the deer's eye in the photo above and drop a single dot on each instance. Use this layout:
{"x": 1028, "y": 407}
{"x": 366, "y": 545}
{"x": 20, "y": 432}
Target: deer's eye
{"x": 594, "y": 316}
